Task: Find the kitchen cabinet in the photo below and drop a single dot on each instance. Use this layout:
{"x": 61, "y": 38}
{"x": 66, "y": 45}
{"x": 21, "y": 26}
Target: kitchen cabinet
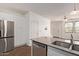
{"x": 58, "y": 52}
{"x": 57, "y": 28}
{"x": 39, "y": 49}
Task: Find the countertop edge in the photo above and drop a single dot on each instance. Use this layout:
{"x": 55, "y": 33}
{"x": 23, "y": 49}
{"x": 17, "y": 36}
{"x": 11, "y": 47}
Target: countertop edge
{"x": 62, "y": 48}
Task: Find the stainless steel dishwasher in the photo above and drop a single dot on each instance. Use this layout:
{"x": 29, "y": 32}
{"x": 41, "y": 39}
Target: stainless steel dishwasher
{"x": 39, "y": 49}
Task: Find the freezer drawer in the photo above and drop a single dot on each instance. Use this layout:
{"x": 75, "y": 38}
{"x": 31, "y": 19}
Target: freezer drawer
{"x": 6, "y": 44}
{"x": 10, "y": 44}
{"x": 2, "y": 45}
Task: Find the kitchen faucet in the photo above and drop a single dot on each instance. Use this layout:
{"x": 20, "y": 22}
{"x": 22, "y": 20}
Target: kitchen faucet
{"x": 71, "y": 42}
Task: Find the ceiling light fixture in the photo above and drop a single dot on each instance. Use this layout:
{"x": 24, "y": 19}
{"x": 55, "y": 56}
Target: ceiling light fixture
{"x": 73, "y": 14}
{"x": 75, "y": 11}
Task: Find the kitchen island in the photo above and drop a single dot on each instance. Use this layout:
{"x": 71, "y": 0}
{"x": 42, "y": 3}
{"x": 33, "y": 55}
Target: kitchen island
{"x": 55, "y": 50}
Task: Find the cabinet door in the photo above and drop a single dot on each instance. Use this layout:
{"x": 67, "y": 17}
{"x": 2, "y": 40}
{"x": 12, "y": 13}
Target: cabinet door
{"x": 56, "y": 28}
{"x": 57, "y": 52}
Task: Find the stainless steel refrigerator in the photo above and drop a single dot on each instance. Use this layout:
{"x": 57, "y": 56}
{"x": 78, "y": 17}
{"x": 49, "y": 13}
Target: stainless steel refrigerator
{"x": 6, "y": 35}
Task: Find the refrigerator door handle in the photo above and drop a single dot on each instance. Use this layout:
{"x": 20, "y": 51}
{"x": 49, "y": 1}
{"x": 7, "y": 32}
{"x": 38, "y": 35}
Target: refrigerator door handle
{"x": 5, "y": 34}
{"x": 2, "y": 28}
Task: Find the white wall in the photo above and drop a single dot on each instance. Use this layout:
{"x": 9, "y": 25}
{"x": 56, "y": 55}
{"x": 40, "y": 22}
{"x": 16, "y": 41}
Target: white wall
{"x": 27, "y": 28}
{"x": 37, "y": 24}
{"x": 21, "y": 26}
{"x": 44, "y": 23}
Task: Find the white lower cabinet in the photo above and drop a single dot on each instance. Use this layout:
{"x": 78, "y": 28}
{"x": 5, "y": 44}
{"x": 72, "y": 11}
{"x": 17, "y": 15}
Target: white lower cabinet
{"x": 57, "y": 52}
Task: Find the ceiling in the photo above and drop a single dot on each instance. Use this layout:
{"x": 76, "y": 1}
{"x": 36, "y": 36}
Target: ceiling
{"x": 56, "y": 10}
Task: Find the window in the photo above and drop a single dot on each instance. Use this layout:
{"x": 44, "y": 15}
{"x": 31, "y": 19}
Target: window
{"x": 68, "y": 27}
{"x": 72, "y": 27}
{"x": 76, "y": 42}
{"x": 76, "y": 26}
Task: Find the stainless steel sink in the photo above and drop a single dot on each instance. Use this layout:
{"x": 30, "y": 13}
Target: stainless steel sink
{"x": 62, "y": 44}
{"x": 75, "y": 47}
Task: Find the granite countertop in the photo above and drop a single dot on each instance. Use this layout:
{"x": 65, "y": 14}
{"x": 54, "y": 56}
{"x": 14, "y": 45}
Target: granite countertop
{"x": 47, "y": 41}
{"x": 43, "y": 40}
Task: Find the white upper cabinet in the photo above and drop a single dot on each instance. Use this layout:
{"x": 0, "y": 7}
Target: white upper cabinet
{"x": 56, "y": 28}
